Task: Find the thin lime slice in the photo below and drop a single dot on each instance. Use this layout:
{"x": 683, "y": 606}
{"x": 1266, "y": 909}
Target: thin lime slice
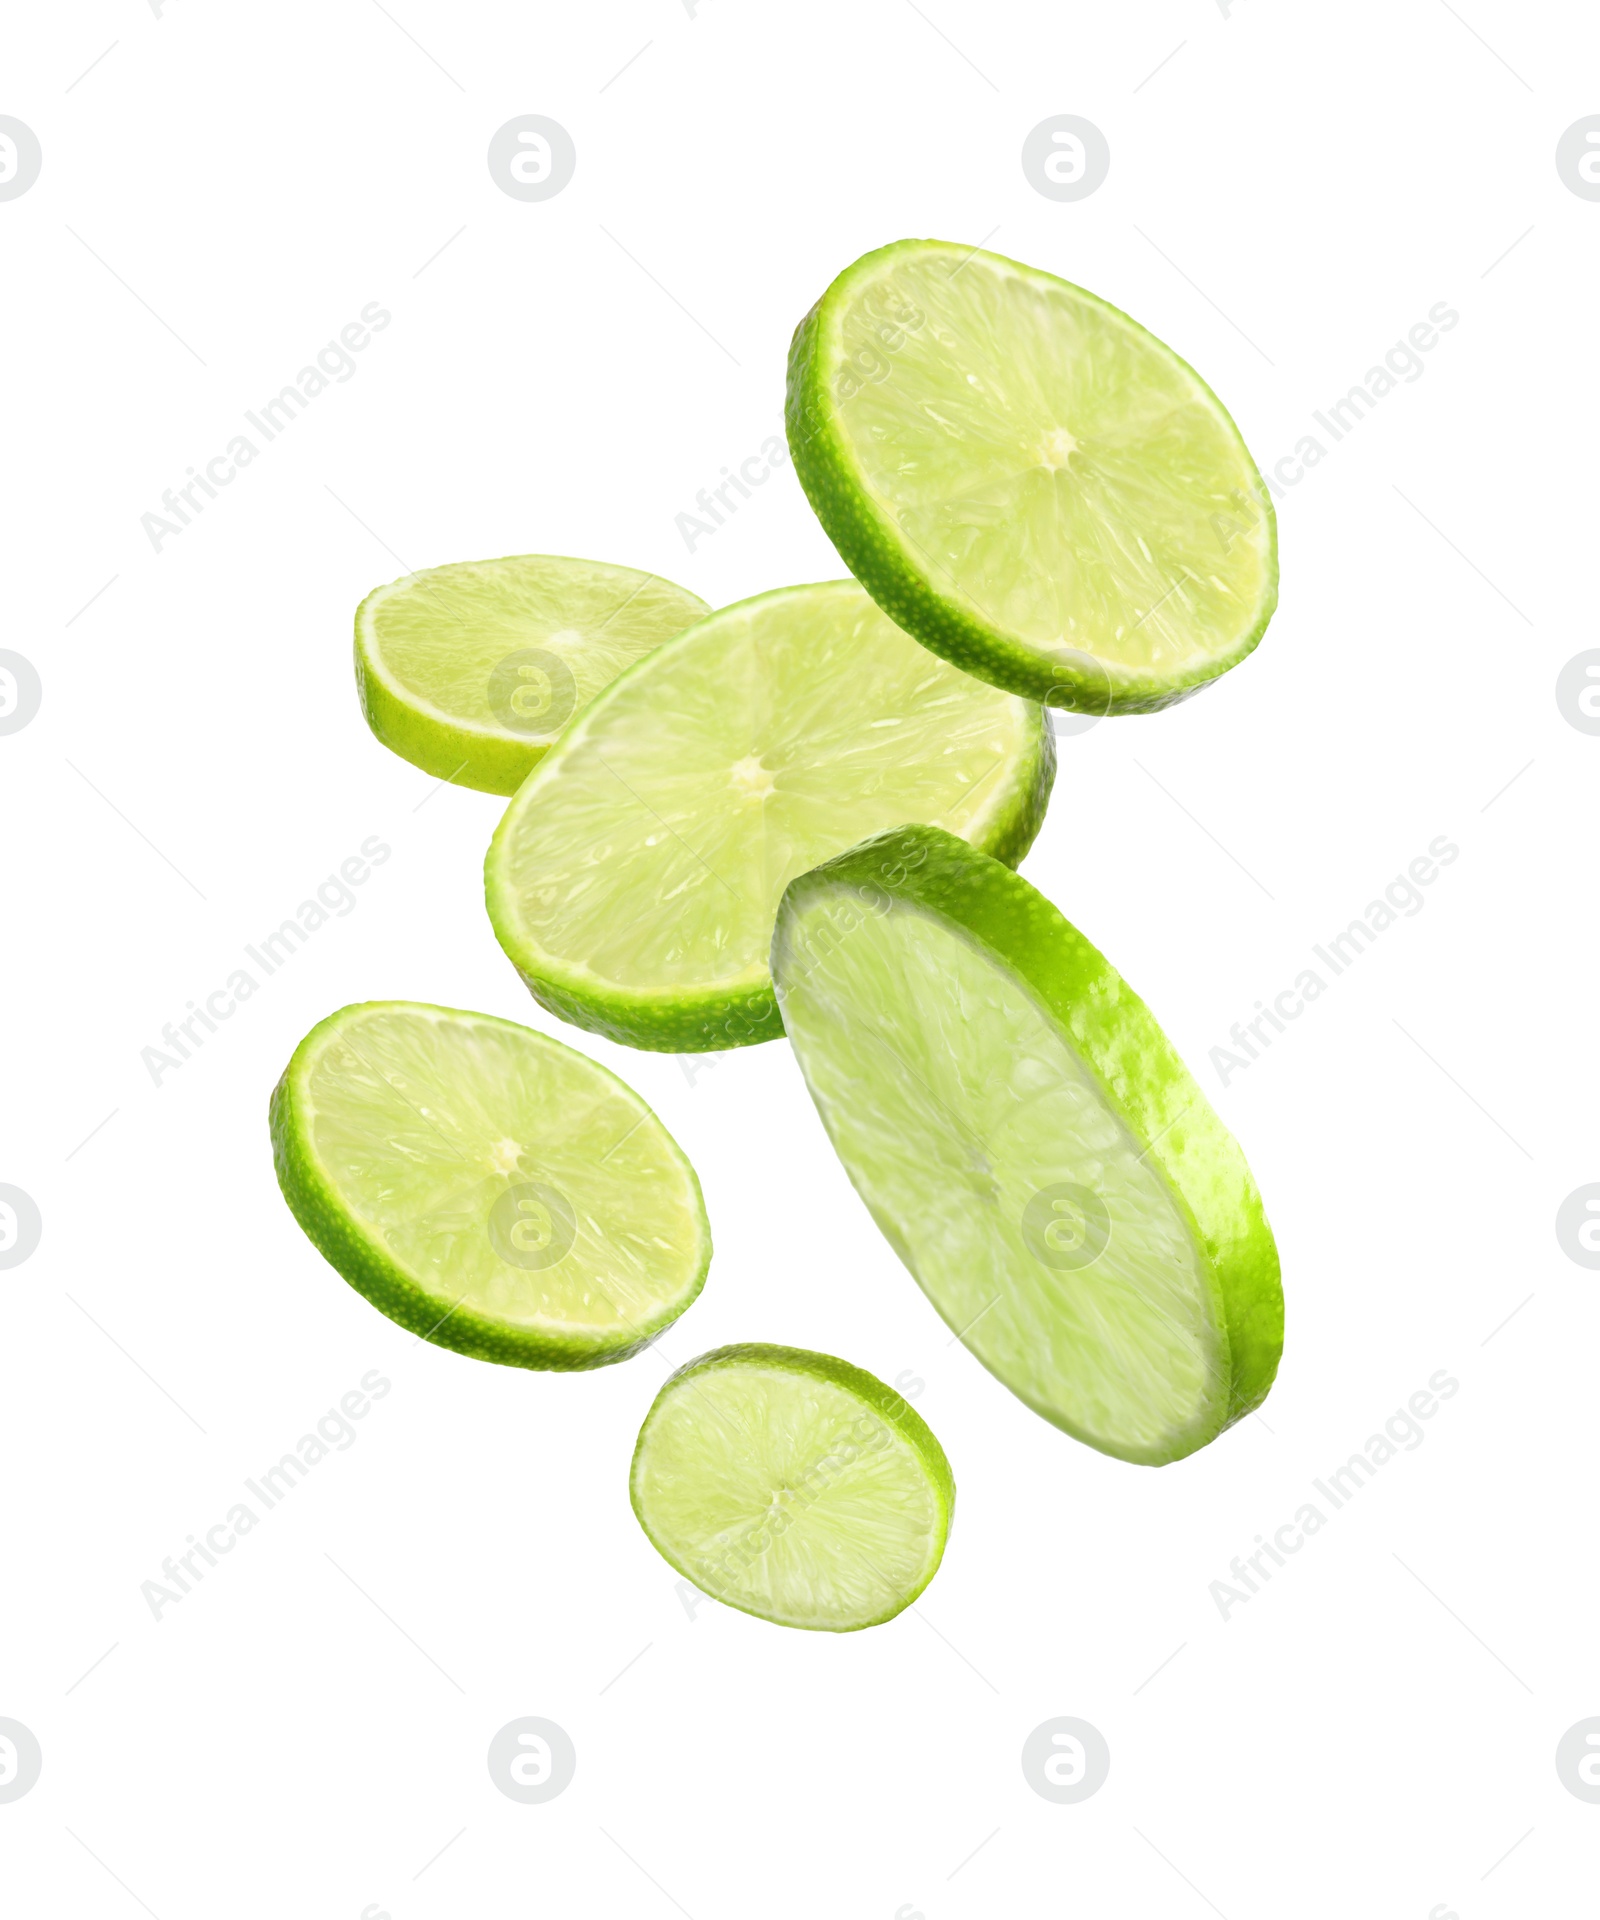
{"x": 471, "y": 671}
{"x": 1031, "y": 1146}
{"x": 634, "y": 878}
{"x": 486, "y": 1186}
{"x": 1028, "y": 481}
{"x": 793, "y": 1486}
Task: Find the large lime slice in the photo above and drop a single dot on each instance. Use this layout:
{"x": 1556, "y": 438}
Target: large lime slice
{"x": 634, "y": 878}
{"x": 470, "y": 671}
{"x": 486, "y": 1186}
{"x": 1030, "y": 1144}
{"x": 1028, "y": 481}
{"x": 793, "y": 1486}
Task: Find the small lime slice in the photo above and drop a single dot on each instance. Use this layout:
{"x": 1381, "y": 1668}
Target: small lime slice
{"x": 1028, "y": 481}
{"x": 793, "y": 1486}
{"x": 471, "y": 671}
{"x": 486, "y": 1186}
{"x": 1030, "y": 1145}
{"x": 634, "y": 878}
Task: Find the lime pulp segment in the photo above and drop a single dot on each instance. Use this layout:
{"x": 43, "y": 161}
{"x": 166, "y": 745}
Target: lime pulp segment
{"x": 793, "y": 1486}
{"x": 470, "y": 671}
{"x": 486, "y": 1186}
{"x": 1030, "y": 1145}
{"x": 634, "y": 878}
{"x": 1028, "y": 481}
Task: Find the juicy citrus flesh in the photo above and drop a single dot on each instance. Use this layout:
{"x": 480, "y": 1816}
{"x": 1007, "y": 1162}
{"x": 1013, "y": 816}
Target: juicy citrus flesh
{"x": 470, "y": 646}
{"x": 421, "y": 1121}
{"x": 1050, "y": 464}
{"x": 648, "y": 853}
{"x": 783, "y": 1493}
{"x": 957, "y": 1104}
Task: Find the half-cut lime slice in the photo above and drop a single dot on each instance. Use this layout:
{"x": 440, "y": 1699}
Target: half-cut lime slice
{"x": 634, "y": 878}
{"x": 1031, "y": 1146}
{"x": 1028, "y": 481}
{"x": 486, "y": 1186}
{"x": 470, "y": 671}
{"x": 793, "y": 1486}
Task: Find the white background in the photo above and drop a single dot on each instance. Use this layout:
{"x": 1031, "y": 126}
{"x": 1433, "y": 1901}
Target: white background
{"x": 1373, "y": 1733}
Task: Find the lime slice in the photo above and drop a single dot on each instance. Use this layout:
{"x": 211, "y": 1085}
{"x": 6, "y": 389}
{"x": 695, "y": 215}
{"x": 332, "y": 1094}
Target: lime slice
{"x": 1031, "y": 1146}
{"x": 471, "y": 671}
{"x": 634, "y": 878}
{"x": 794, "y": 1487}
{"x": 486, "y": 1186}
{"x": 1028, "y": 481}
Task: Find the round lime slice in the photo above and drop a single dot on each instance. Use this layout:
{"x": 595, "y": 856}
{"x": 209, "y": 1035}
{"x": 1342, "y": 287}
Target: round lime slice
{"x": 1028, "y": 481}
{"x": 471, "y": 671}
{"x": 486, "y": 1186}
{"x": 793, "y": 1486}
{"x": 634, "y": 878}
{"x": 1030, "y": 1145}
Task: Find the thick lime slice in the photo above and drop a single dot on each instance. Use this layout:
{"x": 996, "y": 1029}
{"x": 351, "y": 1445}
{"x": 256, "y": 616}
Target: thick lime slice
{"x": 470, "y": 671}
{"x": 1031, "y": 1146}
{"x": 793, "y": 1486}
{"x": 634, "y": 878}
{"x": 486, "y": 1186}
{"x": 1028, "y": 481}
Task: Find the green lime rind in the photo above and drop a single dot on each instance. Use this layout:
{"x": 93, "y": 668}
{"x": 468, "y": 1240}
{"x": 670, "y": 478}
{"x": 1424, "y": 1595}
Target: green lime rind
{"x": 647, "y": 766}
{"x": 427, "y": 646}
{"x": 1049, "y": 965}
{"x": 919, "y": 592}
{"x": 722, "y": 1563}
{"x": 429, "y": 1299}
{"x": 651, "y": 1023}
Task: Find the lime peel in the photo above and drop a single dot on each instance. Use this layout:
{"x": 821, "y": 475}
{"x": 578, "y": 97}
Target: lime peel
{"x": 471, "y": 670}
{"x": 1030, "y": 1144}
{"x": 793, "y": 1486}
{"x": 487, "y": 1187}
{"x": 1028, "y": 481}
{"x": 634, "y": 877}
